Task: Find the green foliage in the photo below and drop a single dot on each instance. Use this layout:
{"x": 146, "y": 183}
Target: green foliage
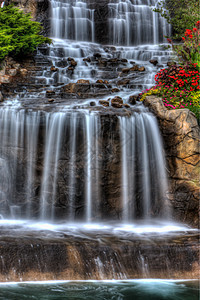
{"x": 19, "y": 35}
{"x": 181, "y": 14}
{"x": 189, "y": 51}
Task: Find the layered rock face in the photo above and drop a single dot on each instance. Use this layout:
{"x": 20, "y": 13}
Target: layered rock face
{"x": 181, "y": 136}
{"x": 97, "y": 256}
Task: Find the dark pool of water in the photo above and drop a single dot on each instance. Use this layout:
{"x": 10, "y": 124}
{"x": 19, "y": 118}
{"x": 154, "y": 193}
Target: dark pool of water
{"x": 129, "y": 290}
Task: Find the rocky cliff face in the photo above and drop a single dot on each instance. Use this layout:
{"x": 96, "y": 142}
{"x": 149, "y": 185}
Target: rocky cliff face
{"x": 181, "y": 136}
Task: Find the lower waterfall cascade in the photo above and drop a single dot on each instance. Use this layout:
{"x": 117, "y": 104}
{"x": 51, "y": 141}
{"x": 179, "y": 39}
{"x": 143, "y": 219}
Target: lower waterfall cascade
{"x": 86, "y": 202}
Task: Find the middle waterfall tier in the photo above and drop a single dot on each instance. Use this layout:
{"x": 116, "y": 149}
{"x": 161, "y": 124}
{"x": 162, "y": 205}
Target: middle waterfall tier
{"x": 81, "y": 166}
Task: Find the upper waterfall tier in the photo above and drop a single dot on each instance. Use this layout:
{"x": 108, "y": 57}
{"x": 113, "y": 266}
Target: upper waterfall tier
{"x": 117, "y": 22}
{"x": 72, "y": 19}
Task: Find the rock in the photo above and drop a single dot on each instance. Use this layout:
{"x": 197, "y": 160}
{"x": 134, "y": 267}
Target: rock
{"x": 96, "y": 55}
{"x": 132, "y": 62}
{"x": 126, "y": 70}
{"x": 100, "y": 81}
{"x": 124, "y": 60}
{"x": 141, "y": 69}
{"x": 51, "y": 100}
{"x": 88, "y": 59}
{"x": 5, "y": 79}
{"x": 104, "y": 103}
{"x": 153, "y": 62}
{"x": 16, "y": 66}
{"x": 1, "y": 97}
{"x": 106, "y": 82}
{"x": 92, "y": 103}
{"x": 54, "y": 69}
{"x": 123, "y": 82}
{"x": 115, "y": 90}
{"x": 70, "y": 58}
{"x": 117, "y": 104}
{"x": 70, "y": 68}
{"x": 113, "y": 60}
{"x": 132, "y": 99}
{"x": 126, "y": 105}
{"x": 69, "y": 88}
{"x": 117, "y": 100}
{"x": 135, "y": 68}
{"x": 83, "y": 81}
{"x": 23, "y": 72}
{"x": 181, "y": 136}
{"x": 12, "y": 72}
{"x": 49, "y": 93}
{"x": 3, "y": 71}
{"x": 73, "y": 63}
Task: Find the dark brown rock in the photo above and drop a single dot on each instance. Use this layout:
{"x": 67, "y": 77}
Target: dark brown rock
{"x": 132, "y": 99}
{"x": 153, "y": 62}
{"x": 54, "y": 69}
{"x": 126, "y": 70}
{"x": 115, "y": 90}
{"x": 134, "y": 69}
{"x": 123, "y": 82}
{"x": 104, "y": 103}
{"x": 141, "y": 69}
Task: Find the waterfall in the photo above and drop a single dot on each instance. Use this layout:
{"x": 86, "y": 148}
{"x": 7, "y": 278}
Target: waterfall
{"x": 134, "y": 23}
{"x": 72, "y": 148}
{"x": 72, "y": 20}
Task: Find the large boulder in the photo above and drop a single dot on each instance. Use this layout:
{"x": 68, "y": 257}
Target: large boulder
{"x": 181, "y": 136}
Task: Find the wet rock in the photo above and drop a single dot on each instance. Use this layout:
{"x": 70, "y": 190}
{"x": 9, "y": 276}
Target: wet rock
{"x": 54, "y": 69}
{"x": 70, "y": 58}
{"x": 83, "y": 81}
{"x": 12, "y": 72}
{"x": 134, "y": 69}
{"x": 87, "y": 59}
{"x": 102, "y": 63}
{"x": 117, "y": 104}
{"x": 51, "y": 100}
{"x": 115, "y": 90}
{"x": 104, "y": 103}
{"x": 141, "y": 69}
{"x": 70, "y": 68}
{"x": 132, "y": 62}
{"x": 126, "y": 105}
{"x": 100, "y": 81}
{"x": 5, "y": 79}
{"x": 117, "y": 99}
{"x": 73, "y": 63}
{"x": 23, "y": 72}
{"x": 92, "y": 103}
{"x": 113, "y": 60}
{"x": 106, "y": 82}
{"x": 50, "y": 93}
{"x": 132, "y": 99}
{"x": 124, "y": 60}
{"x": 62, "y": 63}
{"x": 123, "y": 82}
{"x": 153, "y": 62}
{"x": 96, "y": 55}
{"x": 1, "y": 97}
{"x": 181, "y": 136}
{"x": 126, "y": 70}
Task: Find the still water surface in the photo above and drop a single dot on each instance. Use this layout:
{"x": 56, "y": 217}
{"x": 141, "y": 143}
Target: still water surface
{"x": 104, "y": 290}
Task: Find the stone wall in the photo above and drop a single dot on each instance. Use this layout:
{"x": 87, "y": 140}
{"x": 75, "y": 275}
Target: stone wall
{"x": 181, "y": 137}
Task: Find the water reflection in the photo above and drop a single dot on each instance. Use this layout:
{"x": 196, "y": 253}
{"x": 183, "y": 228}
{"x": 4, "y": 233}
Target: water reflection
{"x": 102, "y": 290}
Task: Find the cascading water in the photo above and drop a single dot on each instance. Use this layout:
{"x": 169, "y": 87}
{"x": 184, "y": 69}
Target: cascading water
{"x": 81, "y": 185}
{"x": 68, "y": 138}
{"x": 134, "y": 23}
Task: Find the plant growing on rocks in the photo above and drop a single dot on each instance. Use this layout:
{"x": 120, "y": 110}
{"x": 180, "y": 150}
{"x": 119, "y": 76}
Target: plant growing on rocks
{"x": 19, "y": 35}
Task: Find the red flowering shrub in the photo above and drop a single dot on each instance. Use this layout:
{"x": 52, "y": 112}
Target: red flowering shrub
{"x": 179, "y": 88}
{"x": 189, "y": 51}
{"x": 179, "y": 85}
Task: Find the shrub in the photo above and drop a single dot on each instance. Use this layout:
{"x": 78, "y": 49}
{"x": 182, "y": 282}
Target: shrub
{"x": 178, "y": 87}
{"x": 189, "y": 50}
{"x": 19, "y": 35}
{"x": 180, "y": 14}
